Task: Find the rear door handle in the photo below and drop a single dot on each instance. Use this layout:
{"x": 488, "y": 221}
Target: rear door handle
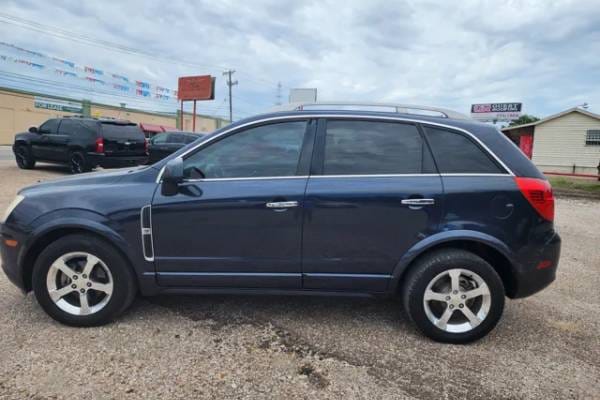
{"x": 282, "y": 204}
{"x": 418, "y": 202}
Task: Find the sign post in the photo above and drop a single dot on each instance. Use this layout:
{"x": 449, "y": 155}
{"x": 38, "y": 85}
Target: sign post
{"x": 496, "y": 111}
{"x": 195, "y": 88}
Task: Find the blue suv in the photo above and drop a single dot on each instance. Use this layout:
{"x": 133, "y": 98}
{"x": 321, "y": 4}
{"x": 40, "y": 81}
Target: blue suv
{"x": 444, "y": 212}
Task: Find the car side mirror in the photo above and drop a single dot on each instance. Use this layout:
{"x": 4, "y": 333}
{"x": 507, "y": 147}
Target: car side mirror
{"x": 172, "y": 176}
{"x": 33, "y": 129}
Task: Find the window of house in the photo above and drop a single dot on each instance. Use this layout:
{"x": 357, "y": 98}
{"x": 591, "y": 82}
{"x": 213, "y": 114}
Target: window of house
{"x": 592, "y": 137}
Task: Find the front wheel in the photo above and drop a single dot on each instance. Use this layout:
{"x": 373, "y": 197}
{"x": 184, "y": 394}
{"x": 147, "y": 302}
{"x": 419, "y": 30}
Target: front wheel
{"x": 24, "y": 157}
{"x": 454, "y": 296}
{"x": 81, "y": 280}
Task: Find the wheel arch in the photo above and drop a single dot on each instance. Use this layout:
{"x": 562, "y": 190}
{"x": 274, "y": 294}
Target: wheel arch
{"x": 487, "y": 247}
{"x": 50, "y": 234}
{"x": 22, "y": 142}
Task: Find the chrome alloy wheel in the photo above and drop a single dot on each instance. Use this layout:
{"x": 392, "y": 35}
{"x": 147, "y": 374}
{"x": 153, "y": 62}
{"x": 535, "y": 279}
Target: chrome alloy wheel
{"x": 457, "y": 300}
{"x": 79, "y": 283}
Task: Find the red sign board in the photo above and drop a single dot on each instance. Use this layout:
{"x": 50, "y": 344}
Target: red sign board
{"x": 196, "y": 88}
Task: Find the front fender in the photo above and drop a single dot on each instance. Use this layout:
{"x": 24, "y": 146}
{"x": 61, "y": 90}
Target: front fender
{"x": 74, "y": 219}
{"x": 442, "y": 238}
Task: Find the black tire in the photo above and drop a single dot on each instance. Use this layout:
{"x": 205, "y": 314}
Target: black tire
{"x": 78, "y": 163}
{"x": 124, "y": 281}
{"x": 431, "y": 266}
{"x": 24, "y": 157}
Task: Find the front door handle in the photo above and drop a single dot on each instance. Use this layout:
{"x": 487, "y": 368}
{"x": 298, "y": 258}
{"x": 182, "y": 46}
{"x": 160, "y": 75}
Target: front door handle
{"x": 418, "y": 202}
{"x": 282, "y": 204}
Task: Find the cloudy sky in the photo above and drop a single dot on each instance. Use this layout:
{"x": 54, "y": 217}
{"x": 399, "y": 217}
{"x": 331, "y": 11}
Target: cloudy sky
{"x": 545, "y": 54}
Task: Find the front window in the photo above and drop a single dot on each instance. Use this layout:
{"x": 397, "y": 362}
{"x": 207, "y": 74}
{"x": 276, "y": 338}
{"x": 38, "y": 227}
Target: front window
{"x": 50, "y": 126}
{"x": 160, "y": 138}
{"x": 265, "y": 151}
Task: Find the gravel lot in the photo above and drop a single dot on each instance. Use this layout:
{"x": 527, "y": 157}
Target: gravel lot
{"x": 546, "y": 346}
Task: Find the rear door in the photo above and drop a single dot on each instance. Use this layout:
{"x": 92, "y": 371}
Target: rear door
{"x": 159, "y": 147}
{"x": 373, "y": 193}
{"x": 123, "y": 139}
{"x": 60, "y": 142}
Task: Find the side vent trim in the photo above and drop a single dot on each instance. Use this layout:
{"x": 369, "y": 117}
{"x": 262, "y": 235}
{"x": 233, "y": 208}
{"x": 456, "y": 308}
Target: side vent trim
{"x": 146, "y": 230}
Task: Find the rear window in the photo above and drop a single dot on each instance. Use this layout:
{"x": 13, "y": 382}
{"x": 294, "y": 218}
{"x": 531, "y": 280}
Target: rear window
{"x": 455, "y": 153}
{"x": 116, "y": 131}
{"x": 176, "y": 138}
{"x": 190, "y": 139}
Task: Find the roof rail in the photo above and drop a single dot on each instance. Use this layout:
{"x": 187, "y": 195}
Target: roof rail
{"x": 376, "y": 107}
{"x": 75, "y": 116}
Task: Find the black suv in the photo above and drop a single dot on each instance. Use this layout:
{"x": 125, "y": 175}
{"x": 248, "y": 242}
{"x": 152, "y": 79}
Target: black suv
{"x": 82, "y": 143}
{"x": 165, "y": 143}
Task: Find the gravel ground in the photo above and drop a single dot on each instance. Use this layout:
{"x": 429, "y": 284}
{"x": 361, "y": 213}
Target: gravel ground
{"x": 6, "y": 153}
{"x": 546, "y": 346}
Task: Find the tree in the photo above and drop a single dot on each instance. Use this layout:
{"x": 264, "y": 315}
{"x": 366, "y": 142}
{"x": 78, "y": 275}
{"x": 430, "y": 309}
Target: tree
{"x": 524, "y": 119}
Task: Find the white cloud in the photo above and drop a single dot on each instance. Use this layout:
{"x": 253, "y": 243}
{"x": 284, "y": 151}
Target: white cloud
{"x": 545, "y": 54}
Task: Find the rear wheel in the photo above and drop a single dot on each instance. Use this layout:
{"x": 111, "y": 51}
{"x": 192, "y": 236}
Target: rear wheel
{"x": 81, "y": 280}
{"x": 78, "y": 163}
{"x": 454, "y": 296}
{"x": 24, "y": 157}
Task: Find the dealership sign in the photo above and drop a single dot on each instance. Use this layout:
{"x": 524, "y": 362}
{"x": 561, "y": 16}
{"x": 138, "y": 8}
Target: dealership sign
{"x": 58, "y": 105}
{"x": 196, "y": 88}
{"x": 496, "y": 111}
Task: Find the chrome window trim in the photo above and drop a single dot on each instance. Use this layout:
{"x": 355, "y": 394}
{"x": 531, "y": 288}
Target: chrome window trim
{"x": 254, "y": 178}
{"x": 338, "y": 116}
{"x": 339, "y": 176}
{"x": 370, "y": 175}
{"x": 147, "y": 232}
{"x": 473, "y": 174}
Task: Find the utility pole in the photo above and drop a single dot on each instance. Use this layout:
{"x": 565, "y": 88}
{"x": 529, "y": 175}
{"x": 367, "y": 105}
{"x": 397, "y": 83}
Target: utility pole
{"x": 230, "y": 83}
{"x": 278, "y": 94}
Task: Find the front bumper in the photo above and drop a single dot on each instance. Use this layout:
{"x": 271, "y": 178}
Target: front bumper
{"x": 116, "y": 162}
{"x": 538, "y": 268}
{"x": 9, "y": 257}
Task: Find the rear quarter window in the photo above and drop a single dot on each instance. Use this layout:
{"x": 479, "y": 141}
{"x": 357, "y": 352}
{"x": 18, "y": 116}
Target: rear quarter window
{"x": 455, "y": 153}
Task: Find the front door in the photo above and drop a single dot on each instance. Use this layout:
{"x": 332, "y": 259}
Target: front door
{"x": 237, "y": 219}
{"x": 375, "y": 193}
{"x": 42, "y": 145}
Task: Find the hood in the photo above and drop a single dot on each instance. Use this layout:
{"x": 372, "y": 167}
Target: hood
{"x": 90, "y": 178}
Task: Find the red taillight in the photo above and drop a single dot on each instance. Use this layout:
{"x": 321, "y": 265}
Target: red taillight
{"x": 539, "y": 194}
{"x": 100, "y": 145}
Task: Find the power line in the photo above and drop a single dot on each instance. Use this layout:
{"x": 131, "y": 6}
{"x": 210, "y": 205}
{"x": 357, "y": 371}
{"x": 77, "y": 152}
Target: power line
{"x": 91, "y": 40}
{"x": 63, "y": 86}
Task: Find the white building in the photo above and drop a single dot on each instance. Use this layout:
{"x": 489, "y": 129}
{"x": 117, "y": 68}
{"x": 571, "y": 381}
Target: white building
{"x": 567, "y": 142}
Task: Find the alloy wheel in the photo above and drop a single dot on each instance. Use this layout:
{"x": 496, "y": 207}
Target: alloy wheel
{"x": 79, "y": 283}
{"x": 21, "y": 156}
{"x": 76, "y": 164}
{"x": 457, "y": 300}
